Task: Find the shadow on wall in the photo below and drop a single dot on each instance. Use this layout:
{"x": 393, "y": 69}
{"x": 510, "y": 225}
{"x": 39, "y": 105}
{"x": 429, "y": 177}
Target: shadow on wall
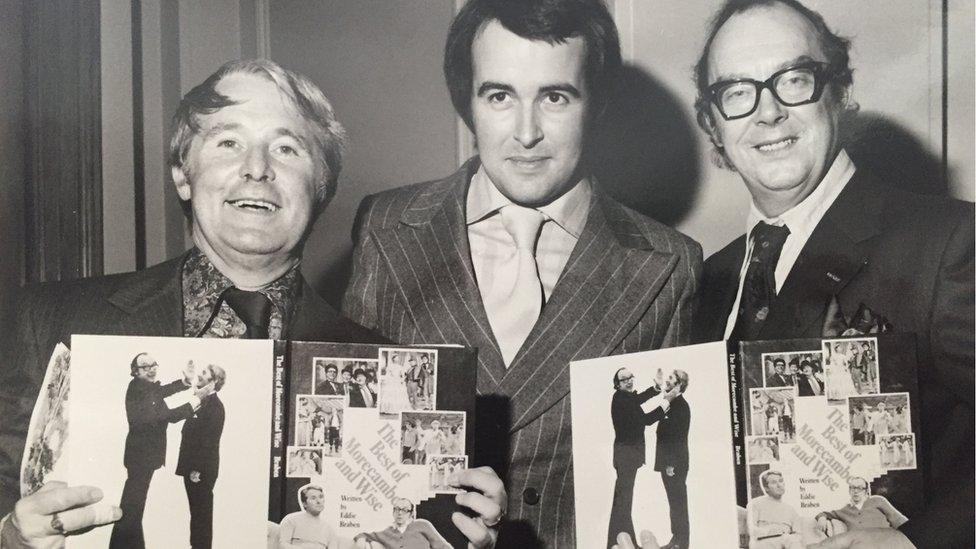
{"x": 891, "y": 152}
{"x": 646, "y": 152}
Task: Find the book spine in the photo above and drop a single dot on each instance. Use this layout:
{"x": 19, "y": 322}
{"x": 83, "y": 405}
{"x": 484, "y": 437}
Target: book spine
{"x": 737, "y": 418}
{"x": 279, "y": 432}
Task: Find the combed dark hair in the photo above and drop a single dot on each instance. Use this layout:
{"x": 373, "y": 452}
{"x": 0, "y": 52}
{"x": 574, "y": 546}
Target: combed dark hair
{"x": 551, "y": 21}
{"x": 836, "y": 48}
{"x": 328, "y": 136}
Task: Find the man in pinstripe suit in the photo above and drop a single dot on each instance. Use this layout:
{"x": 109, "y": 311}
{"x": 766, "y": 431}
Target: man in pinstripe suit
{"x": 448, "y": 261}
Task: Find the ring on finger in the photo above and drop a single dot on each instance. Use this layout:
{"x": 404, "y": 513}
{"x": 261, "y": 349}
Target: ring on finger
{"x": 56, "y": 524}
{"x": 496, "y": 522}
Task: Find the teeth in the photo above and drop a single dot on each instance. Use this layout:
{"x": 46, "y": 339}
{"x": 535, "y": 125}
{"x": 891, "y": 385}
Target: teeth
{"x": 770, "y": 147}
{"x": 255, "y": 205}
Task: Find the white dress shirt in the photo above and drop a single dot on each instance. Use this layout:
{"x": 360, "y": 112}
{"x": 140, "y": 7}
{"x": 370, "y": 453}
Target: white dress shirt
{"x": 801, "y": 220}
{"x": 491, "y": 244}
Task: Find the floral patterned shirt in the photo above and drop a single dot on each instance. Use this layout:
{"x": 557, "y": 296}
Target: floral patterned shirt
{"x": 205, "y": 314}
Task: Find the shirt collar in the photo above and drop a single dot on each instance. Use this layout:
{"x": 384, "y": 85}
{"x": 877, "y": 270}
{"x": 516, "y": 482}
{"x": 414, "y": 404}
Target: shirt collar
{"x": 203, "y": 284}
{"x": 803, "y": 218}
{"x": 569, "y": 211}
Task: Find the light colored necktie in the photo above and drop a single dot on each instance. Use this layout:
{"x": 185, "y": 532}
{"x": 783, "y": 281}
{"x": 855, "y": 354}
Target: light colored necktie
{"x": 516, "y": 299}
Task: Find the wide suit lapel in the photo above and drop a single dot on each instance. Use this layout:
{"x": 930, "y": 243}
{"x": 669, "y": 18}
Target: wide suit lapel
{"x": 152, "y": 301}
{"x": 836, "y": 252}
{"x": 608, "y": 283}
{"x": 429, "y": 261}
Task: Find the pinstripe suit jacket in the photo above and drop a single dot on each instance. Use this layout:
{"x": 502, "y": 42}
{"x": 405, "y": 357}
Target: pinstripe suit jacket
{"x": 148, "y": 303}
{"x": 629, "y": 285}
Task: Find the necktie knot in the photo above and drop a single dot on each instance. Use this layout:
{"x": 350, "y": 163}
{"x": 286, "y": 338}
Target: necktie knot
{"x": 253, "y": 308}
{"x": 769, "y": 239}
{"x": 523, "y": 224}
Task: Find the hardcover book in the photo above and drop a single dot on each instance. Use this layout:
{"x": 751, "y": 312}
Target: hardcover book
{"x": 746, "y": 444}
{"x": 259, "y": 443}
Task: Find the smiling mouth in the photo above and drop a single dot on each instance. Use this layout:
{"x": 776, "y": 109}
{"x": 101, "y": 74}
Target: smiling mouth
{"x": 774, "y": 146}
{"x": 254, "y": 205}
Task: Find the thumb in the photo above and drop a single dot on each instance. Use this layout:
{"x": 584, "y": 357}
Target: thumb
{"x": 648, "y": 541}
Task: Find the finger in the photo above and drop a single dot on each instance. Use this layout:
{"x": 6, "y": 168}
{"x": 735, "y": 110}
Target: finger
{"x": 482, "y": 479}
{"x": 89, "y": 516}
{"x": 57, "y": 498}
{"x": 478, "y": 535}
{"x": 624, "y": 541}
{"x": 489, "y": 510}
{"x": 648, "y": 541}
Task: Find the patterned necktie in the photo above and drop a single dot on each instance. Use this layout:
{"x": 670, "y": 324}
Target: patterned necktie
{"x": 514, "y": 304}
{"x": 759, "y": 286}
{"x": 254, "y": 308}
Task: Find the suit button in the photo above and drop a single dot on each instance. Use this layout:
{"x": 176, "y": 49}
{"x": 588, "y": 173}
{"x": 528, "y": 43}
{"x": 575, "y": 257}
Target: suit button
{"x": 530, "y": 496}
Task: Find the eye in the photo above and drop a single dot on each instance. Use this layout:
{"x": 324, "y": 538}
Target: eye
{"x": 226, "y": 144}
{"x": 498, "y": 97}
{"x": 555, "y": 98}
{"x": 288, "y": 150}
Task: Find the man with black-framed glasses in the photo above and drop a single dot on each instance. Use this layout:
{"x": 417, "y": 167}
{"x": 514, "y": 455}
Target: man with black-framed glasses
{"x": 145, "y": 443}
{"x": 825, "y": 238}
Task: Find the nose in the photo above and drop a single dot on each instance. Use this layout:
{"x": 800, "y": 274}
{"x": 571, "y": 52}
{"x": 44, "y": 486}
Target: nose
{"x": 528, "y": 131}
{"x": 770, "y": 111}
{"x": 256, "y": 165}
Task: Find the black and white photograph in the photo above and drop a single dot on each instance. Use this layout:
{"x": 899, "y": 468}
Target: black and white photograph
{"x": 786, "y": 369}
{"x": 772, "y": 411}
{"x": 362, "y": 386}
{"x": 176, "y": 431}
{"x": 762, "y": 449}
{"x": 405, "y": 525}
{"x": 303, "y": 461}
{"x": 308, "y": 526}
{"x": 408, "y": 381}
{"x": 319, "y": 422}
{"x": 851, "y": 368}
{"x": 897, "y": 451}
{"x": 328, "y": 378}
{"x": 872, "y": 416}
{"x": 644, "y": 451}
{"x": 537, "y": 181}
{"x": 431, "y": 433}
{"x": 441, "y": 467}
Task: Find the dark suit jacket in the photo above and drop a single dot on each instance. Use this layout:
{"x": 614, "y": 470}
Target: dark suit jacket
{"x": 147, "y": 302}
{"x": 672, "y": 436}
{"x": 777, "y": 380}
{"x": 329, "y": 388}
{"x": 148, "y": 416}
{"x": 356, "y": 399}
{"x": 805, "y": 388}
{"x": 628, "y": 286}
{"x": 200, "y": 441}
{"x": 629, "y": 421}
{"x": 910, "y": 258}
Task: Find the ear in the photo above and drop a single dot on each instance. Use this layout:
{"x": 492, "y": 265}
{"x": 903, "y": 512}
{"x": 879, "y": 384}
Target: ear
{"x": 181, "y": 182}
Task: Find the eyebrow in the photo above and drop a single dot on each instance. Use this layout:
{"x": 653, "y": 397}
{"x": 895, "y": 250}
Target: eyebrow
{"x": 231, "y": 126}
{"x": 488, "y": 86}
{"x": 784, "y": 65}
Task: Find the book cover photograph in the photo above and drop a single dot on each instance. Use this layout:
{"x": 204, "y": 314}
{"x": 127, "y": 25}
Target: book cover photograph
{"x": 175, "y": 431}
{"x": 364, "y": 442}
{"x": 259, "y": 443}
{"x": 828, "y": 437}
{"x": 652, "y": 447}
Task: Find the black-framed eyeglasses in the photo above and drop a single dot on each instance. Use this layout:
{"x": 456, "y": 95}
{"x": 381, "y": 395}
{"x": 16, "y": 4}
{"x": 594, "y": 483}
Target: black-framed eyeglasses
{"x": 147, "y": 366}
{"x": 625, "y": 378}
{"x": 797, "y": 85}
